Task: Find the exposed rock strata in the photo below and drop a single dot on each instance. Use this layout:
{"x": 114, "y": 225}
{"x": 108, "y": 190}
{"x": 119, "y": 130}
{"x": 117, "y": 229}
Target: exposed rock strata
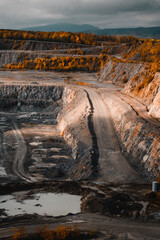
{"x": 73, "y": 124}
{"x": 139, "y": 139}
{"x": 128, "y": 75}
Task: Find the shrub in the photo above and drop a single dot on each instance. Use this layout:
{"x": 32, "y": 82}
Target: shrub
{"x": 59, "y": 233}
{"x": 17, "y": 233}
{"x": 140, "y": 86}
{"x": 148, "y": 79}
{"x": 125, "y": 79}
{"x": 89, "y": 64}
{"x": 135, "y": 78}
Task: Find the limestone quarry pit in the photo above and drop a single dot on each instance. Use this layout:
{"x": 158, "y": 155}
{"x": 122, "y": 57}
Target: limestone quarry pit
{"x": 44, "y": 133}
{"x": 53, "y": 129}
{"x": 58, "y": 136}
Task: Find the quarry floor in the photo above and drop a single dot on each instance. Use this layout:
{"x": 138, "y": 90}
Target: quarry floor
{"x": 113, "y": 168}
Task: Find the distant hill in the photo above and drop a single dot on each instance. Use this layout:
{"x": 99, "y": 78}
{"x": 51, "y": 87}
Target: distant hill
{"x": 66, "y": 27}
{"x": 141, "y": 32}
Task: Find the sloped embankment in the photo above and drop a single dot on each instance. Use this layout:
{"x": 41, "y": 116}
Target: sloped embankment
{"x": 137, "y": 79}
{"x": 148, "y": 92}
{"x": 73, "y": 124}
{"x": 16, "y": 51}
{"x": 12, "y": 56}
{"x": 139, "y": 139}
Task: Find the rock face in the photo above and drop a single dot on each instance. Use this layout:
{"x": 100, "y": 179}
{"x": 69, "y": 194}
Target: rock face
{"x": 17, "y": 51}
{"x": 30, "y": 98}
{"x": 128, "y": 75}
{"x": 33, "y": 45}
{"x": 12, "y": 56}
{"x": 139, "y": 140}
{"x": 119, "y": 72}
{"x": 149, "y": 95}
{"x": 152, "y": 96}
{"x": 73, "y": 124}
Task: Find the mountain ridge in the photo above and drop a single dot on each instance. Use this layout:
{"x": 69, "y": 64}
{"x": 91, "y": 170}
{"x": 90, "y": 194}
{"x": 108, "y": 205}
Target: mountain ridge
{"x": 141, "y": 32}
{"x": 64, "y": 27}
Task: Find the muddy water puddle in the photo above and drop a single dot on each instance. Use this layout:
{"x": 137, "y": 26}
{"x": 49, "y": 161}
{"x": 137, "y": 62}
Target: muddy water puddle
{"x": 49, "y": 204}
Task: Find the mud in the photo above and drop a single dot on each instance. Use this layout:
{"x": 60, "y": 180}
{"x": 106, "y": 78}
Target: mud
{"x": 132, "y": 202}
{"x": 108, "y": 211}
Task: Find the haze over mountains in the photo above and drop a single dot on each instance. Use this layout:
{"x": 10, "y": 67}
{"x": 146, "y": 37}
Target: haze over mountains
{"x": 67, "y": 27}
{"x": 142, "y": 32}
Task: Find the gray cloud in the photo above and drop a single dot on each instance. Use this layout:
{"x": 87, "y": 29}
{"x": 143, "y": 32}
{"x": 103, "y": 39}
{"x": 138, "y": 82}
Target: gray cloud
{"x": 104, "y": 13}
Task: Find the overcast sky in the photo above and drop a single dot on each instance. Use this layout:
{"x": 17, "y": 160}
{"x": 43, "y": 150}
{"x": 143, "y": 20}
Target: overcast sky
{"x": 102, "y": 13}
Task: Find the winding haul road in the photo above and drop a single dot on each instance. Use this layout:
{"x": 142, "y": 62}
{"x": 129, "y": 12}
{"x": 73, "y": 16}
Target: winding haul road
{"x": 21, "y": 151}
{"x": 138, "y": 107}
{"x": 113, "y": 167}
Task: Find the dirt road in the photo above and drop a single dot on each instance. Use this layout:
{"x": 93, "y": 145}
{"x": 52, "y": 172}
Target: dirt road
{"x": 138, "y": 107}
{"x": 18, "y": 164}
{"x": 113, "y": 167}
{"x": 21, "y": 149}
{"x": 109, "y": 228}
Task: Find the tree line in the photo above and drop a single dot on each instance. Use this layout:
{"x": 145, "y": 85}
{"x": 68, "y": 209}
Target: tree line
{"x": 86, "y": 64}
{"x": 65, "y": 37}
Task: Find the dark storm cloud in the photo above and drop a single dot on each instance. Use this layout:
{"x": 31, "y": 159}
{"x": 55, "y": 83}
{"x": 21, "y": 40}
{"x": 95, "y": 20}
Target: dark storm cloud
{"x": 105, "y": 13}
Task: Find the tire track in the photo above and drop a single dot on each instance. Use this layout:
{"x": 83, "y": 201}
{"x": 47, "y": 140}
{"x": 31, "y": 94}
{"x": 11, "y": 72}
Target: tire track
{"x": 18, "y": 165}
{"x": 95, "y": 150}
{"x": 112, "y": 165}
{"x": 139, "y": 108}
